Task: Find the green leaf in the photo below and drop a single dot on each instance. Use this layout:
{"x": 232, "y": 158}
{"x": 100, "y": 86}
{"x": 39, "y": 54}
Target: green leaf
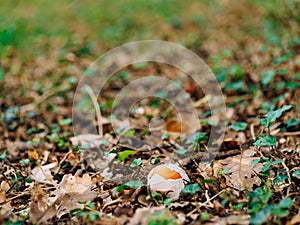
{"x": 292, "y": 122}
{"x": 25, "y": 161}
{"x": 130, "y": 133}
{"x": 93, "y": 217}
{"x": 191, "y": 188}
{"x": 267, "y": 77}
{"x": 225, "y": 171}
{"x": 266, "y": 166}
{"x": 238, "y": 126}
{"x": 196, "y": 138}
{"x": 165, "y": 136}
{"x": 236, "y": 85}
{"x": 277, "y": 162}
{"x": 167, "y": 201}
{"x": 286, "y": 203}
{"x": 123, "y": 155}
{"x": 204, "y": 216}
{"x": 2, "y": 75}
{"x": 155, "y": 160}
{"x": 265, "y": 122}
{"x": 280, "y": 212}
{"x": 262, "y": 216}
{"x": 3, "y": 155}
{"x": 134, "y": 184}
{"x": 267, "y": 140}
{"x": 296, "y": 174}
{"x": 65, "y": 122}
{"x": 181, "y": 151}
{"x": 136, "y": 162}
{"x": 280, "y": 178}
{"x": 272, "y": 116}
{"x": 118, "y": 189}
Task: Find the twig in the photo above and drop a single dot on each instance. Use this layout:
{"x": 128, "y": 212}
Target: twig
{"x": 205, "y": 203}
{"x": 113, "y": 202}
{"x": 252, "y": 131}
{"x": 288, "y": 133}
{"x": 61, "y": 162}
{"x": 17, "y": 196}
{"x": 96, "y": 106}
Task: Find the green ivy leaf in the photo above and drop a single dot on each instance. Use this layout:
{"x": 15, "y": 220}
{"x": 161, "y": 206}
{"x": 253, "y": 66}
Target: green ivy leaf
{"x": 277, "y": 162}
{"x": 280, "y": 178}
{"x": 286, "y": 203}
{"x": 136, "y": 162}
{"x": 130, "y": 133}
{"x": 261, "y": 216}
{"x": 267, "y": 140}
{"x": 3, "y": 155}
{"x": 167, "y": 201}
{"x": 155, "y": 160}
{"x": 196, "y": 138}
{"x": 119, "y": 188}
{"x": 134, "y": 184}
{"x": 181, "y": 151}
{"x": 292, "y": 122}
{"x": 238, "y": 126}
{"x": 65, "y": 122}
{"x": 272, "y": 116}
{"x": 165, "y": 136}
{"x": 191, "y": 188}
{"x": 25, "y": 161}
{"x": 267, "y": 77}
{"x": 123, "y": 155}
{"x": 296, "y": 174}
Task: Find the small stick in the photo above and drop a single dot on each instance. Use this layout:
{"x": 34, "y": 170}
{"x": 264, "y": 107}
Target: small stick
{"x": 206, "y": 202}
{"x": 96, "y": 106}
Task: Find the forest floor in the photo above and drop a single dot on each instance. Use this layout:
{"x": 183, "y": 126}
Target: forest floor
{"x": 49, "y": 174}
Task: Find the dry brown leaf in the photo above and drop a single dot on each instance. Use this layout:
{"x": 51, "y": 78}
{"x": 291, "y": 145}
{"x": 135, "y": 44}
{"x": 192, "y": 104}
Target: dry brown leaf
{"x": 2, "y": 196}
{"x": 241, "y": 175}
{"x": 69, "y": 192}
{"x": 232, "y": 219}
{"x": 42, "y": 174}
{"x": 5, "y": 209}
{"x": 295, "y": 219}
{"x": 40, "y": 206}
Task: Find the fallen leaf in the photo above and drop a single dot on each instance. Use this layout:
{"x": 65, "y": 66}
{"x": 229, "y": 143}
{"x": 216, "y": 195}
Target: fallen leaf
{"x": 232, "y": 219}
{"x": 241, "y": 174}
{"x": 295, "y": 219}
{"x": 42, "y": 174}
{"x": 2, "y": 196}
{"x": 69, "y": 192}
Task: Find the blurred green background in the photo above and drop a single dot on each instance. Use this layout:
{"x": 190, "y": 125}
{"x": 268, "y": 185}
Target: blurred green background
{"x": 40, "y": 38}
{"x": 38, "y": 25}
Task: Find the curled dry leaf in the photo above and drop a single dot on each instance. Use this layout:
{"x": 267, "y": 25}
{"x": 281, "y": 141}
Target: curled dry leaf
{"x": 4, "y": 187}
{"x": 69, "y": 192}
{"x": 168, "y": 179}
{"x": 240, "y": 172}
{"x": 42, "y": 174}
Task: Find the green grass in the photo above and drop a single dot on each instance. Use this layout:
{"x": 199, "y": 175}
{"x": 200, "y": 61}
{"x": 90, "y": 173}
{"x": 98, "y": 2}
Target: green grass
{"x": 35, "y": 25}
